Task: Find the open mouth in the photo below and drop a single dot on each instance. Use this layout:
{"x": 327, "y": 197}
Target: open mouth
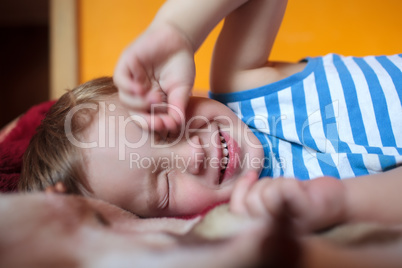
{"x": 225, "y": 157}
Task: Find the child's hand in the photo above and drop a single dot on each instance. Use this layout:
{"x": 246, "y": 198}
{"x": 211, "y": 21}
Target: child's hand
{"x": 157, "y": 68}
{"x": 312, "y": 205}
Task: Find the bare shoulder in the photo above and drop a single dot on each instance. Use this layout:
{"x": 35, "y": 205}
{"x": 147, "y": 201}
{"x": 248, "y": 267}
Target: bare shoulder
{"x": 226, "y": 81}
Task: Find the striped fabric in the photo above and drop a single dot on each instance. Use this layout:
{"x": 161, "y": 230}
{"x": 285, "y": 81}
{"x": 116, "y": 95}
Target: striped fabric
{"x": 341, "y": 116}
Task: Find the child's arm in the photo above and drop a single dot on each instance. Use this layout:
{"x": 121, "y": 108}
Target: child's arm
{"x": 376, "y": 197}
{"x": 240, "y": 59}
{"x": 159, "y": 66}
{"x": 322, "y": 202}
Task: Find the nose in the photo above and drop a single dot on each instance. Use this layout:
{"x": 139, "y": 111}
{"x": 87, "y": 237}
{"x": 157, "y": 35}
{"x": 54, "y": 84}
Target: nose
{"x": 192, "y": 155}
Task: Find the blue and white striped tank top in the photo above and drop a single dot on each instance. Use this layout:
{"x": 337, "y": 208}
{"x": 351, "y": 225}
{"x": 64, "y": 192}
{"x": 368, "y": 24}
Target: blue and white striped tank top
{"x": 341, "y": 116}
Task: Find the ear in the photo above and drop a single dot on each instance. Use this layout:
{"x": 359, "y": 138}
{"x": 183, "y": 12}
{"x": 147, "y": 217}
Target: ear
{"x": 58, "y": 188}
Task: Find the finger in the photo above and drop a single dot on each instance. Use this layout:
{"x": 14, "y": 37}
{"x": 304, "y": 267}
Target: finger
{"x": 122, "y": 79}
{"x": 316, "y": 204}
{"x": 272, "y": 197}
{"x": 122, "y": 76}
{"x": 163, "y": 122}
{"x": 155, "y": 122}
{"x": 296, "y": 198}
{"x": 141, "y": 74}
{"x": 178, "y": 100}
{"x": 288, "y": 194}
{"x": 157, "y": 97}
{"x": 241, "y": 188}
{"x": 131, "y": 76}
{"x": 254, "y": 202}
{"x": 132, "y": 102}
{"x": 153, "y": 102}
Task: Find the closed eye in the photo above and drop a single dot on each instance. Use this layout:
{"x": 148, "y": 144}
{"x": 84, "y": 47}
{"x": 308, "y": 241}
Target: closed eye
{"x": 101, "y": 219}
{"x": 165, "y": 136}
{"x": 161, "y": 137}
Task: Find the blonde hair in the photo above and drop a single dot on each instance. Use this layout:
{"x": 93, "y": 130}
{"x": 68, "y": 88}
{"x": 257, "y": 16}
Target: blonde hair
{"x": 51, "y": 157}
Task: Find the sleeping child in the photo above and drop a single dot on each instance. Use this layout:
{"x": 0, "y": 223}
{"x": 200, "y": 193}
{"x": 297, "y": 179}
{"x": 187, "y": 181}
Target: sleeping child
{"x": 141, "y": 142}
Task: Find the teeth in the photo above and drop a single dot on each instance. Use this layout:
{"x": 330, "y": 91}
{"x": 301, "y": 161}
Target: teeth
{"x": 225, "y": 153}
{"x": 225, "y": 160}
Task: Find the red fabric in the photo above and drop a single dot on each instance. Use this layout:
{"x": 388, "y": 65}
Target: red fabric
{"x": 15, "y": 144}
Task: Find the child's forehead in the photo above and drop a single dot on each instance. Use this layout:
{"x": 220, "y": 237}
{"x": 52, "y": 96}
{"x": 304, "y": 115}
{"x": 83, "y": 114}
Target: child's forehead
{"x": 111, "y": 122}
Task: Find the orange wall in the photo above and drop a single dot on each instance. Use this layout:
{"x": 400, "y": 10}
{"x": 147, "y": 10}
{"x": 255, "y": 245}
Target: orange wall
{"x": 310, "y": 27}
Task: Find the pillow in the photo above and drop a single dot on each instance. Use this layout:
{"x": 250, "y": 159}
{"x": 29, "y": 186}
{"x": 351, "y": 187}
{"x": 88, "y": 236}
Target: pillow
{"x": 14, "y": 140}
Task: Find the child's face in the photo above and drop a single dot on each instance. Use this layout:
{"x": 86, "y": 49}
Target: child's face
{"x": 151, "y": 174}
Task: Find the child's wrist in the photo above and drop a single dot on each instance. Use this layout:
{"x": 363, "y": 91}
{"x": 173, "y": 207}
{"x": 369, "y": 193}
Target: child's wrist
{"x": 172, "y": 30}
